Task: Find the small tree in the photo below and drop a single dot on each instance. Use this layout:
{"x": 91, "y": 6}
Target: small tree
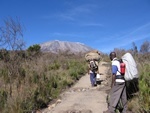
{"x": 34, "y": 50}
{"x": 11, "y": 35}
{"x": 11, "y": 39}
{"x": 145, "y": 47}
{"x": 134, "y": 49}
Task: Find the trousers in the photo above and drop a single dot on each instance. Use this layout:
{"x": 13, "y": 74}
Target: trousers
{"x": 93, "y": 78}
{"x": 118, "y": 91}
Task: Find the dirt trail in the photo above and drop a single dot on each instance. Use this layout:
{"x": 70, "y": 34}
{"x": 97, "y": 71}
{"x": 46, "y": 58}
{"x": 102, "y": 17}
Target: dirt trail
{"x": 82, "y": 98}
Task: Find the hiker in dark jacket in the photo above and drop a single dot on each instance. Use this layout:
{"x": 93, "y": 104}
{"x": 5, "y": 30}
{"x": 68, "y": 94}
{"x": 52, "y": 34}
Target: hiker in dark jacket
{"x": 118, "y": 88}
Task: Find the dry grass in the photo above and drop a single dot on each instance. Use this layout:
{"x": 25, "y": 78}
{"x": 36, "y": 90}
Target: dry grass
{"x": 37, "y": 80}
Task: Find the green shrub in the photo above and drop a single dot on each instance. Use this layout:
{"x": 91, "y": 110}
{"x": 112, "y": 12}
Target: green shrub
{"x": 4, "y": 75}
{"x": 144, "y": 86}
{"x": 76, "y": 69}
{"x": 34, "y": 48}
{"x": 3, "y": 98}
{"x": 73, "y": 74}
{"x": 54, "y": 66}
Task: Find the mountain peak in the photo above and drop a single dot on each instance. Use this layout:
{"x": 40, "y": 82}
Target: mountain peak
{"x": 63, "y": 46}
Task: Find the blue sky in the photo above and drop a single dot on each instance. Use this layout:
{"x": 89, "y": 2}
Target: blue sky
{"x": 100, "y": 24}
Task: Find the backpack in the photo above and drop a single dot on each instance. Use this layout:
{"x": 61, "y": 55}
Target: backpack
{"x": 92, "y": 55}
{"x": 131, "y": 71}
{"x": 93, "y": 65}
{"x": 122, "y": 67}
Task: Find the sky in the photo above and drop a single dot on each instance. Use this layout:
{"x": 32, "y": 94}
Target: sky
{"x": 100, "y": 24}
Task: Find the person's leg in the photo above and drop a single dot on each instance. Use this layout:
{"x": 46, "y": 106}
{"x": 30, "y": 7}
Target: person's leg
{"x": 91, "y": 78}
{"x": 124, "y": 100}
{"x": 115, "y": 96}
{"x": 111, "y": 108}
{"x": 94, "y": 79}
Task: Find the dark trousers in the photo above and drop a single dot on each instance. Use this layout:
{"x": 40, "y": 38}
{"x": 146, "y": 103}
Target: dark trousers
{"x": 118, "y": 91}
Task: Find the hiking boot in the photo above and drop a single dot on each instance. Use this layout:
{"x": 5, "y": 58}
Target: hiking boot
{"x": 95, "y": 84}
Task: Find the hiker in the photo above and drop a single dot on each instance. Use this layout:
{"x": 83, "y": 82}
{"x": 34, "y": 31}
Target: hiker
{"x": 93, "y": 58}
{"x": 92, "y": 72}
{"x": 118, "y": 87}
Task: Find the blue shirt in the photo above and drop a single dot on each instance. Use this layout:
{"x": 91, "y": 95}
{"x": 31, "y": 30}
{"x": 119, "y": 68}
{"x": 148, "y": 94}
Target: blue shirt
{"x": 114, "y": 69}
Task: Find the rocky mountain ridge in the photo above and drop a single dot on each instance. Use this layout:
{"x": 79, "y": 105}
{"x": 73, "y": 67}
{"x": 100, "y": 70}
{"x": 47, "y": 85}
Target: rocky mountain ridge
{"x": 64, "y": 46}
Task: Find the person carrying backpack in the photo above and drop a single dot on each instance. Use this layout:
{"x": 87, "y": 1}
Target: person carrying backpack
{"x": 93, "y": 59}
{"x": 118, "y": 87}
{"x": 93, "y": 70}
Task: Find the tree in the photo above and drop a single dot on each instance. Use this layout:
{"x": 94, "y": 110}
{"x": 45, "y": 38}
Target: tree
{"x": 135, "y": 50}
{"x": 34, "y": 50}
{"x": 11, "y": 35}
{"x": 145, "y": 47}
{"x": 11, "y": 39}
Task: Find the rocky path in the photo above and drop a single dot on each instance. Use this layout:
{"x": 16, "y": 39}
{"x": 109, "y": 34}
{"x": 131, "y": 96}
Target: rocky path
{"x": 82, "y": 98}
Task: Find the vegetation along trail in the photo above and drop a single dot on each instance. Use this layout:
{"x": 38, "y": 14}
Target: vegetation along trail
{"x": 82, "y": 98}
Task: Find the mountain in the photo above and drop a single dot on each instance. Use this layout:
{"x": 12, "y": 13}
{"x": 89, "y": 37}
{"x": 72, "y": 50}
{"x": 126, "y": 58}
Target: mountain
{"x": 63, "y": 46}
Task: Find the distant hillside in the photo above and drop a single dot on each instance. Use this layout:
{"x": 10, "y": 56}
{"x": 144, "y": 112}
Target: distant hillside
{"x": 63, "y": 46}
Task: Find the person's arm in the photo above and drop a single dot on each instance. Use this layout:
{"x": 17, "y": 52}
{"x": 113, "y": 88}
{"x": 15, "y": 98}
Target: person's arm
{"x": 97, "y": 63}
{"x": 88, "y": 69}
{"x": 113, "y": 80}
{"x": 114, "y": 71}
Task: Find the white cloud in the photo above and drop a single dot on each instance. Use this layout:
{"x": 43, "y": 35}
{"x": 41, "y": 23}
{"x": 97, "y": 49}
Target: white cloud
{"x": 58, "y": 34}
{"x": 127, "y": 38}
{"x": 123, "y": 40}
{"x": 137, "y": 34}
{"x": 72, "y": 13}
{"x": 91, "y": 24}
{"x": 75, "y": 12}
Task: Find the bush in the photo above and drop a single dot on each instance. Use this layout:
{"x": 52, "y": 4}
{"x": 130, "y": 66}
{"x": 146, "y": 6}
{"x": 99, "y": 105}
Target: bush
{"x": 140, "y": 103}
{"x": 36, "y": 81}
{"x": 144, "y": 86}
{"x": 76, "y": 69}
{"x": 3, "y": 98}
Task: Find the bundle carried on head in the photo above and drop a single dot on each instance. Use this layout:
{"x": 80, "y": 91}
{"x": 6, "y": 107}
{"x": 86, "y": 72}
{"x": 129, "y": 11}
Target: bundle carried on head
{"x": 93, "y": 55}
